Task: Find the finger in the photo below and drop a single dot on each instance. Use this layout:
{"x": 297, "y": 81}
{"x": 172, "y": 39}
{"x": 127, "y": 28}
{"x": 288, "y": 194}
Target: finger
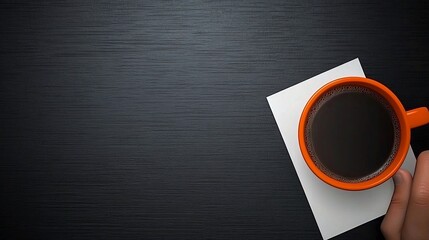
{"x": 416, "y": 224}
{"x": 394, "y": 219}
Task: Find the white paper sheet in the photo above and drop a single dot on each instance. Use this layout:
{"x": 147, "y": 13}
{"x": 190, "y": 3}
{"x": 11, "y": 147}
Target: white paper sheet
{"x": 335, "y": 210}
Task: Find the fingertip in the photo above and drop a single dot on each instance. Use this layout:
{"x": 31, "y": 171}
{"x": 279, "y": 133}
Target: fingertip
{"x": 397, "y": 178}
{"x": 423, "y": 156}
{"x": 402, "y": 176}
{"x": 401, "y": 193}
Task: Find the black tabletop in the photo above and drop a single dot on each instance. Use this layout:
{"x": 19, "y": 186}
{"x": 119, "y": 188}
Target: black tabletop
{"x": 149, "y": 119}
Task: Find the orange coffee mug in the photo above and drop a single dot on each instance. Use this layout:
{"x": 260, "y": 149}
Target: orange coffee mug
{"x": 362, "y": 105}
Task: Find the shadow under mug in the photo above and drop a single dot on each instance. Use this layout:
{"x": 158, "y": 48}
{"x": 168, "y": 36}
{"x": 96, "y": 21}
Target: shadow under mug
{"x": 406, "y": 121}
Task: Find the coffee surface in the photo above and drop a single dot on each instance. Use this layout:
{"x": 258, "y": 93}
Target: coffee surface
{"x": 352, "y": 133}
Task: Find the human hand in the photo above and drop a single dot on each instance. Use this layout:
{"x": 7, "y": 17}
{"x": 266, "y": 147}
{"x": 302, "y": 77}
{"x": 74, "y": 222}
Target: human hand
{"x": 408, "y": 215}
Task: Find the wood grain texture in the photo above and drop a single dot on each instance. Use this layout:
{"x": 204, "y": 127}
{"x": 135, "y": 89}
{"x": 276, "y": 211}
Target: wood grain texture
{"x": 148, "y": 119}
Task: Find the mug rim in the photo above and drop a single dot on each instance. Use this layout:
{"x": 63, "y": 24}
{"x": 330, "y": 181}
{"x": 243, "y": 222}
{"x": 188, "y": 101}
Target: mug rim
{"x": 404, "y": 140}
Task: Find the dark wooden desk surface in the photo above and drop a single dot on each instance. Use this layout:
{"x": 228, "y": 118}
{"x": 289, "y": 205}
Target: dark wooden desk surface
{"x": 148, "y": 119}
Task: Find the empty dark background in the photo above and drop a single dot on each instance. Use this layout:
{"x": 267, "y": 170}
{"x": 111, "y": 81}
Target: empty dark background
{"x": 148, "y": 119}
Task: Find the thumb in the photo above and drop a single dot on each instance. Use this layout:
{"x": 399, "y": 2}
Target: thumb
{"x": 392, "y": 222}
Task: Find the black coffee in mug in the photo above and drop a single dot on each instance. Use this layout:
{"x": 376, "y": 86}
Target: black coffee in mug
{"x": 352, "y": 133}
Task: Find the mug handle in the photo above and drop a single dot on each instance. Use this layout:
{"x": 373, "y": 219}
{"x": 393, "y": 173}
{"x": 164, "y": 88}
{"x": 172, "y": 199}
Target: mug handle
{"x": 418, "y": 117}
